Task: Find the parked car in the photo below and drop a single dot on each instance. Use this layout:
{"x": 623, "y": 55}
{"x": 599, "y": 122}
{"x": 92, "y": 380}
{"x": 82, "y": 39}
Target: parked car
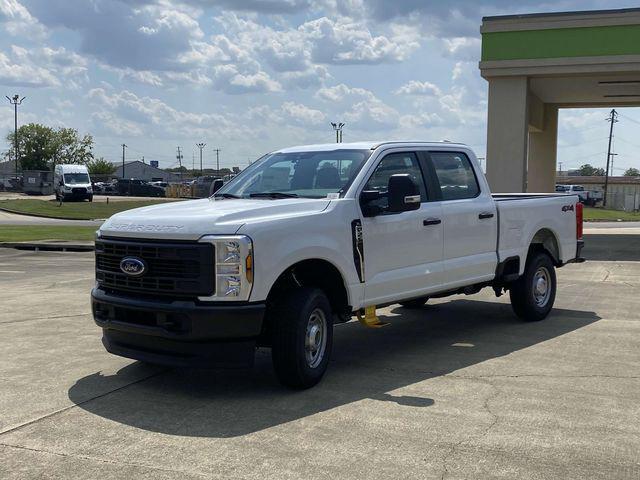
{"x": 72, "y": 182}
{"x": 308, "y": 237}
{"x": 138, "y": 188}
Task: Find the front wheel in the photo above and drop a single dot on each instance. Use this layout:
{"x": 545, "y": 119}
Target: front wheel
{"x": 533, "y": 294}
{"x": 302, "y": 337}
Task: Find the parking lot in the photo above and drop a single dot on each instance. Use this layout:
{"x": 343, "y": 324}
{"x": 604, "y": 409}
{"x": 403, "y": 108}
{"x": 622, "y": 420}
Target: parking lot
{"x": 458, "y": 389}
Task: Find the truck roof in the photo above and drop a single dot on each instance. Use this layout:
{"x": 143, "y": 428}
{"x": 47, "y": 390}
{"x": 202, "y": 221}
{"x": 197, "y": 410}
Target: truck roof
{"x": 366, "y": 145}
{"x": 72, "y": 168}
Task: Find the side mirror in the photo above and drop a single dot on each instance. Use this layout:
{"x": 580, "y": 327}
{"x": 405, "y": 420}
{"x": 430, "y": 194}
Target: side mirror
{"x": 403, "y": 193}
{"x": 216, "y": 185}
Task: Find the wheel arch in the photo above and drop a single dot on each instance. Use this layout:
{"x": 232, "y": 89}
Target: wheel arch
{"x": 546, "y": 240}
{"x": 314, "y": 272}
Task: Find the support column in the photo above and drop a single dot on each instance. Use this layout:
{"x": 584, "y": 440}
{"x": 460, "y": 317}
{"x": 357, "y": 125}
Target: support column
{"x": 541, "y": 175}
{"x": 507, "y": 133}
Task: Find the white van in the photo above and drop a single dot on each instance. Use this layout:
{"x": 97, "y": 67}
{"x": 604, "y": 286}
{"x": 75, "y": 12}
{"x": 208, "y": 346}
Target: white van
{"x": 72, "y": 182}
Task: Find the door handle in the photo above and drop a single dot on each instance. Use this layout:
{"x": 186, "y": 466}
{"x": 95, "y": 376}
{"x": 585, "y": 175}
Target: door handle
{"x": 484, "y": 215}
{"x": 431, "y": 221}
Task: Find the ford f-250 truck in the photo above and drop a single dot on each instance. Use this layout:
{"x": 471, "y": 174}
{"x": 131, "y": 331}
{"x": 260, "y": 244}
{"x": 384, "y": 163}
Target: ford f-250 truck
{"x": 310, "y": 236}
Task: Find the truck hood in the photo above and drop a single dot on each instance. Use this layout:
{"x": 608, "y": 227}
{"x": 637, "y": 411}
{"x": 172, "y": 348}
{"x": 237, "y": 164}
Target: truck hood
{"x": 189, "y": 220}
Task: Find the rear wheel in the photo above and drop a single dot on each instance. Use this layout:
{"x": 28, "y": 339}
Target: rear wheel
{"x": 532, "y": 295}
{"x": 302, "y": 337}
{"x": 415, "y": 302}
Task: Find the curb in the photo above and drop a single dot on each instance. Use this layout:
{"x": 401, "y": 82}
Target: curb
{"x": 53, "y": 218}
{"x": 49, "y": 247}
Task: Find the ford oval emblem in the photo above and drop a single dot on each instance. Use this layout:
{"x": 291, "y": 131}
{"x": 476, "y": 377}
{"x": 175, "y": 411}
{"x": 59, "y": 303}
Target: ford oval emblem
{"x": 133, "y": 266}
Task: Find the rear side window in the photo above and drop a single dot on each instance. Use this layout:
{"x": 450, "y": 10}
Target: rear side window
{"x": 455, "y": 175}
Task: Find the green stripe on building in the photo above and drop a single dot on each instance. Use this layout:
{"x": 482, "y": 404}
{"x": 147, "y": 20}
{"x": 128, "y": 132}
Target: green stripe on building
{"x": 561, "y": 42}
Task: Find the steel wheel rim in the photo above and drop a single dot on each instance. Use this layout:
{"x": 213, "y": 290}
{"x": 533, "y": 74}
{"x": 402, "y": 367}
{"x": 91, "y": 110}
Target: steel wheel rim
{"x": 315, "y": 339}
{"x": 541, "y": 286}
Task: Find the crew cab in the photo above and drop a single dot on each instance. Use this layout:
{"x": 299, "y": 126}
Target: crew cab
{"x": 311, "y": 236}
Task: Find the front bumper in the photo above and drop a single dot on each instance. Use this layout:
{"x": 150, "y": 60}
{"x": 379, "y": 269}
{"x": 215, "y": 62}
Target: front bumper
{"x": 180, "y": 333}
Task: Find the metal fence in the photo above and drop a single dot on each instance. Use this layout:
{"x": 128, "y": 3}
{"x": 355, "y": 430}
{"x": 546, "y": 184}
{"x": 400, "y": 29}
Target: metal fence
{"x": 629, "y": 202}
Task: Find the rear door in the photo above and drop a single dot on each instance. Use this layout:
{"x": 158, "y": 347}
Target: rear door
{"x": 402, "y": 251}
{"x": 469, "y": 219}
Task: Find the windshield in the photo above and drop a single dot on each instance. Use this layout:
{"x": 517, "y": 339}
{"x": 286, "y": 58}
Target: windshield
{"x": 71, "y": 178}
{"x": 300, "y": 174}
{"x": 562, "y": 188}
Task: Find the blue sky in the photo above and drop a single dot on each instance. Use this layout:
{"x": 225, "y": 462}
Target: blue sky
{"x": 249, "y": 76}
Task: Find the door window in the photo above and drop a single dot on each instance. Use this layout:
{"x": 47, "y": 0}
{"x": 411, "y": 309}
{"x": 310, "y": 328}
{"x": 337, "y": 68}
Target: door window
{"x": 455, "y": 175}
{"x": 392, "y": 164}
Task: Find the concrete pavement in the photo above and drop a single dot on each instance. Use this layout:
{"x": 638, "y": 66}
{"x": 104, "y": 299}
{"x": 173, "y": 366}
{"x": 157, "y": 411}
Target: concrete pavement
{"x": 458, "y": 389}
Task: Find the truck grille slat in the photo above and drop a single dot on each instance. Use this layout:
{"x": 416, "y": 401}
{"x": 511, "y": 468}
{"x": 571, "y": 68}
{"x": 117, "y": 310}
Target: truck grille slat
{"x": 182, "y": 270}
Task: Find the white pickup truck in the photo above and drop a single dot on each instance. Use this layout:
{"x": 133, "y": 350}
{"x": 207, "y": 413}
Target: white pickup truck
{"x": 310, "y": 236}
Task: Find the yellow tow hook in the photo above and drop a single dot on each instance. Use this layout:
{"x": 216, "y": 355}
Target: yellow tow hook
{"x": 370, "y": 319}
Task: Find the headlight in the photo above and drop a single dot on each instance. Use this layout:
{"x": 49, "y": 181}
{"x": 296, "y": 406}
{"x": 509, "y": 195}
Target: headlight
{"x": 67, "y": 188}
{"x": 89, "y": 189}
{"x": 233, "y": 267}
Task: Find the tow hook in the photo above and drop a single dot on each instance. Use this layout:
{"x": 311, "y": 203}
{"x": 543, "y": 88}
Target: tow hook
{"x": 369, "y": 319}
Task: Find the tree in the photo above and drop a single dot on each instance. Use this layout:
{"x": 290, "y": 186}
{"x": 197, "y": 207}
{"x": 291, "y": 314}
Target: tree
{"x": 42, "y": 147}
{"x": 588, "y": 170}
{"x": 632, "y": 172}
{"x": 100, "y": 166}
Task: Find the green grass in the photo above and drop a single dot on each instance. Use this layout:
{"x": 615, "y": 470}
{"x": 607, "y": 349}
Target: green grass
{"x": 72, "y": 210}
{"x": 600, "y": 214}
{"x": 44, "y": 232}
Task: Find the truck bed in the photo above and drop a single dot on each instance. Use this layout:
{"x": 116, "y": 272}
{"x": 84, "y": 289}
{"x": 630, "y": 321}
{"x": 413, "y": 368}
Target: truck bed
{"x": 523, "y": 216}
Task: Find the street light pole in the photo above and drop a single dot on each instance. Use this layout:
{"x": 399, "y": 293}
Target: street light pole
{"x": 338, "y": 129}
{"x": 15, "y": 101}
{"x": 201, "y": 146}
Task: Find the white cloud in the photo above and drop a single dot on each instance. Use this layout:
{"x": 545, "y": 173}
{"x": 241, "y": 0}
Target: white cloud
{"x": 463, "y": 48}
{"x": 18, "y": 21}
{"x": 341, "y": 92}
{"x": 416, "y": 87}
{"x": 228, "y": 79}
{"x": 42, "y": 67}
{"x": 344, "y": 41}
{"x": 152, "y": 116}
{"x": 303, "y": 114}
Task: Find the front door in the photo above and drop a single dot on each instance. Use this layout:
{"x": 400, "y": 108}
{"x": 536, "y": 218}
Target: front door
{"x": 403, "y": 251}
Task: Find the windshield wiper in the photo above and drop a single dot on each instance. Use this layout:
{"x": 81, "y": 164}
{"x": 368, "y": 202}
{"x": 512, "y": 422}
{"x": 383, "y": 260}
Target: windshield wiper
{"x": 272, "y": 195}
{"x": 226, "y": 195}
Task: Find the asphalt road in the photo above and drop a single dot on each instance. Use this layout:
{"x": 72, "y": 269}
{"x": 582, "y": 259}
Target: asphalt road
{"x": 458, "y": 389}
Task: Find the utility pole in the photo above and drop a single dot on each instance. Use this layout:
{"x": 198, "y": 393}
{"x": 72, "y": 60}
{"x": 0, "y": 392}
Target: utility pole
{"x": 123, "y": 147}
{"x": 15, "y": 101}
{"x": 217, "y": 150}
{"x": 143, "y": 159}
{"x": 338, "y": 129}
{"x": 560, "y": 167}
{"x": 179, "y": 156}
{"x": 193, "y": 164}
{"x": 612, "y": 118}
{"x": 201, "y": 146}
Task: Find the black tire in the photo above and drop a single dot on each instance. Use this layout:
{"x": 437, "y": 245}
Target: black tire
{"x": 528, "y": 301}
{"x": 296, "y": 365}
{"x": 414, "y": 302}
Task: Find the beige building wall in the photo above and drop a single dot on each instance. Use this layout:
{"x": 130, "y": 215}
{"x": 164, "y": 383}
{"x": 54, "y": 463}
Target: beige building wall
{"x": 541, "y": 175}
{"x": 507, "y": 130}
